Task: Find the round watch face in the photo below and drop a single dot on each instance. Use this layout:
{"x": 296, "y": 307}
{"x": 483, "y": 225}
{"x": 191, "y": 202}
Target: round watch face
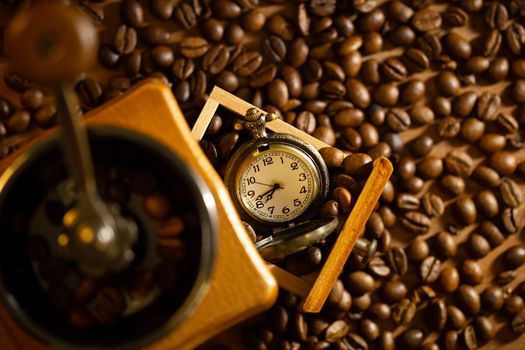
{"x": 278, "y": 184}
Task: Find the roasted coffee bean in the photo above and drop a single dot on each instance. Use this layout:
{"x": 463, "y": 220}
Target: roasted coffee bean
{"x": 16, "y": 82}
{"x": 411, "y": 339}
{"x": 469, "y": 338}
{"x": 457, "y": 46}
{"x": 393, "y": 69}
{"x": 402, "y": 35}
{"x": 422, "y": 114}
{"x": 496, "y": 15}
{"x": 421, "y": 146}
{"x": 359, "y": 283}
{"x": 430, "y": 167}
{"x": 357, "y": 93}
{"x": 274, "y": 48}
{"x": 386, "y": 95}
{"x": 162, "y": 56}
{"x": 132, "y": 13}
{"x": 374, "y": 225}
{"x": 216, "y": 59}
{"x": 430, "y": 269}
{"x": 413, "y": 91}
{"x": 436, "y": 314}
{"x": 422, "y": 294}
{"x": 397, "y": 260}
{"x": 398, "y": 120}
{"x": 513, "y": 305}
{"x": 492, "y": 142}
{"x": 477, "y": 245}
{"x": 484, "y": 329}
{"x": 281, "y": 27}
{"x": 487, "y": 203}
{"x": 454, "y": 185}
{"x": 357, "y": 165}
{"x": 518, "y": 323}
{"x": 492, "y": 233}
{"x": 18, "y": 122}
{"x": 332, "y": 156}
{"x": 503, "y": 162}
{"x": 263, "y": 75}
{"x": 469, "y": 299}
{"x": 514, "y": 257}
{"x": 454, "y": 17}
{"x": 89, "y": 92}
{"x": 488, "y": 106}
{"x": 442, "y": 106}
{"x": 406, "y": 201}
{"x": 387, "y": 340}
{"x": 336, "y": 331}
{"x": 278, "y": 317}
{"x": 446, "y": 246}
{"x": 380, "y": 311}
{"x": 393, "y": 291}
{"x": 418, "y": 249}
{"x": 433, "y": 204}
{"x": 455, "y": 317}
{"x": 465, "y": 210}
{"x": 403, "y": 312}
{"x": 125, "y": 39}
{"x": 194, "y": 46}
{"x": 163, "y": 9}
{"x": 108, "y": 305}
{"x": 416, "y": 60}
{"x": 515, "y": 36}
{"x": 518, "y": 91}
{"x": 448, "y": 83}
{"x": 471, "y": 272}
{"x": 449, "y": 127}
{"x": 472, "y": 129}
{"x": 413, "y": 185}
{"x": 486, "y": 176}
{"x": 416, "y": 222}
{"x": 32, "y": 99}
{"x": 426, "y": 20}
{"x": 493, "y": 298}
{"x": 450, "y": 338}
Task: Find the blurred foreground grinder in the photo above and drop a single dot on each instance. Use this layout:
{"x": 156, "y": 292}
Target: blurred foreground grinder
{"x": 53, "y": 52}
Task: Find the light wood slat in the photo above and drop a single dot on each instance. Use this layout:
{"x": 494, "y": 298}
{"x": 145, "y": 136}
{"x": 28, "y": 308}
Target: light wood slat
{"x": 352, "y": 229}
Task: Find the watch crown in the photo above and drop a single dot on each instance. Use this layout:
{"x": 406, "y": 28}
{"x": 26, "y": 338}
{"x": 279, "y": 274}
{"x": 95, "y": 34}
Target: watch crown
{"x": 252, "y": 114}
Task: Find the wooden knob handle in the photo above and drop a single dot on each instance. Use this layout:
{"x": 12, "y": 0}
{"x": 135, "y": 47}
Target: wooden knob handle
{"x": 50, "y": 42}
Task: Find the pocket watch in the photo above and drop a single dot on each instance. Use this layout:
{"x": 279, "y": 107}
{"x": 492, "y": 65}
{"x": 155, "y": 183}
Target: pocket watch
{"x": 277, "y": 182}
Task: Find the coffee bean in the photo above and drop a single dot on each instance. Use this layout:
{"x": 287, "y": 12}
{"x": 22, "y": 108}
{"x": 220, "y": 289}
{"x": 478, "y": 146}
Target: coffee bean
{"x": 503, "y": 162}
{"x": 450, "y": 340}
{"x": 404, "y": 312}
{"x": 359, "y": 283}
{"x": 518, "y": 323}
{"x": 357, "y": 165}
{"x": 454, "y": 185}
{"x": 163, "y": 9}
{"x": 487, "y": 203}
{"x": 194, "y": 46}
{"x": 455, "y": 317}
{"x": 426, "y": 20}
{"x": 398, "y": 120}
{"x": 493, "y": 298}
{"x": 411, "y": 338}
{"x": 457, "y": 46}
{"x": 448, "y": 83}
{"x": 274, "y": 48}
{"x": 449, "y": 127}
{"x": 336, "y": 331}
{"x": 125, "y": 39}
{"x": 397, "y": 260}
{"x": 513, "y": 305}
{"x": 378, "y": 267}
{"x": 393, "y": 69}
{"x": 433, "y": 204}
{"x": 478, "y": 246}
{"x": 418, "y": 249}
{"x": 357, "y": 93}
{"x": 132, "y": 13}
{"x": 514, "y": 257}
{"x": 469, "y": 299}
{"x": 387, "y": 340}
{"x": 422, "y": 114}
{"x": 465, "y": 210}
{"x": 436, "y": 314}
{"x": 515, "y": 36}
{"x": 446, "y": 246}
{"x": 263, "y": 75}
{"x": 393, "y": 291}
{"x": 18, "y": 122}
{"x": 406, "y": 201}
{"x": 430, "y": 269}
{"x": 386, "y": 95}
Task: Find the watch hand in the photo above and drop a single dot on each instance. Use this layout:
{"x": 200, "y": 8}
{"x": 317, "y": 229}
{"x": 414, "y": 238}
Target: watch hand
{"x": 265, "y": 193}
{"x": 270, "y": 195}
{"x": 261, "y": 183}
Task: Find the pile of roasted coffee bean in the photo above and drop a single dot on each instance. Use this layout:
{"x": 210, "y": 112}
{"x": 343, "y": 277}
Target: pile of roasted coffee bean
{"x": 88, "y": 302}
{"x": 437, "y": 87}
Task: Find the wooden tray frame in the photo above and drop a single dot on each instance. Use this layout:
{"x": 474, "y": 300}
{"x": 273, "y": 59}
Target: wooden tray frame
{"x": 314, "y": 293}
{"x": 240, "y": 286}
